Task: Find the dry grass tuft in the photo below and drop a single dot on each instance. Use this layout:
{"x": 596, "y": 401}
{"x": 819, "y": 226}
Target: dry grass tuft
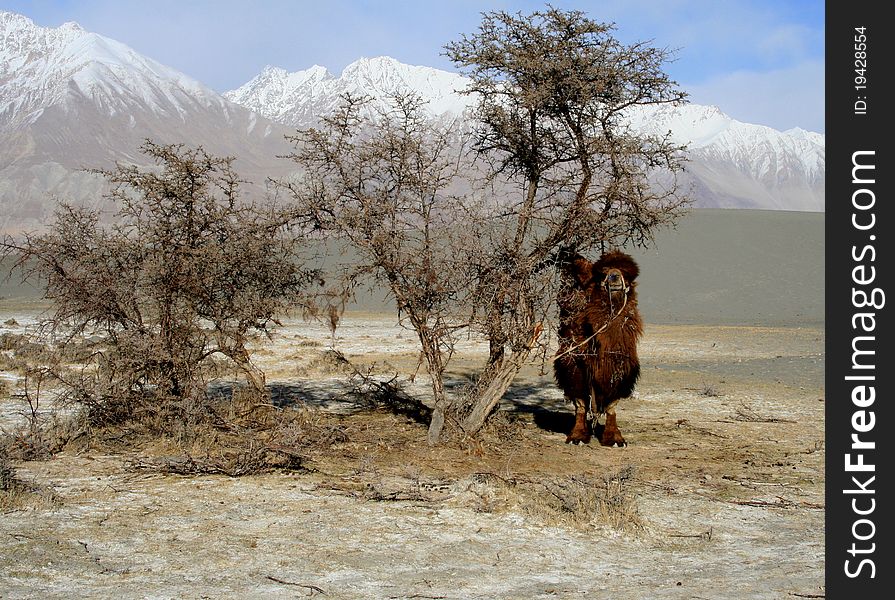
{"x": 240, "y": 436}
{"x": 709, "y": 391}
{"x": 585, "y": 501}
{"x": 41, "y": 439}
{"x": 503, "y": 427}
{"x": 485, "y": 492}
{"x": 16, "y": 494}
{"x": 8, "y": 480}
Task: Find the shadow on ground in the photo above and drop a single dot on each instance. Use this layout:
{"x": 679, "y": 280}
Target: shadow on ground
{"x": 539, "y": 399}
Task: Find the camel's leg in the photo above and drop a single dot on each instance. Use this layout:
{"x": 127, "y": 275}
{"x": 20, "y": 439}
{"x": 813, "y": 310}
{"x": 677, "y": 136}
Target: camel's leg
{"x": 611, "y": 434}
{"x": 581, "y": 430}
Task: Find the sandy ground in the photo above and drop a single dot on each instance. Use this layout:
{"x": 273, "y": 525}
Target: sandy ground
{"x": 719, "y": 494}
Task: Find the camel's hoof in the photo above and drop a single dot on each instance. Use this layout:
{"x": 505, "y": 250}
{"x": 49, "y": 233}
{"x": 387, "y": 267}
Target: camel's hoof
{"x": 615, "y": 444}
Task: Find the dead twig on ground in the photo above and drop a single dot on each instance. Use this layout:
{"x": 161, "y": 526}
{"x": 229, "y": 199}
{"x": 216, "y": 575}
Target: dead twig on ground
{"x": 386, "y": 394}
{"x": 781, "y": 502}
{"x": 313, "y": 588}
{"x": 708, "y": 390}
{"x": 705, "y": 535}
{"x": 747, "y": 413}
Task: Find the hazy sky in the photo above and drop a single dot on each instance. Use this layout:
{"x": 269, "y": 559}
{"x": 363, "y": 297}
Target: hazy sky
{"x": 761, "y": 61}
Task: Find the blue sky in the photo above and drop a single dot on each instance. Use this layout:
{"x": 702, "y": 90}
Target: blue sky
{"x": 760, "y": 61}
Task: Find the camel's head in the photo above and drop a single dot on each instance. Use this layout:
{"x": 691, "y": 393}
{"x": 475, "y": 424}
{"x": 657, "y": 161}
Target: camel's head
{"x": 614, "y": 281}
{"x": 615, "y": 272}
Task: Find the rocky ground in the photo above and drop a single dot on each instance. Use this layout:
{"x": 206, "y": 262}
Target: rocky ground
{"x": 720, "y": 492}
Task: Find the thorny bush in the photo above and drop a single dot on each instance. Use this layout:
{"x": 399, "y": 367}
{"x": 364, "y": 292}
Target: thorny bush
{"x": 164, "y": 291}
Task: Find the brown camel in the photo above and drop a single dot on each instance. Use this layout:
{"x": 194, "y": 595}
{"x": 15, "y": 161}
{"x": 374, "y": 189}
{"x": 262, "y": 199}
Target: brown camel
{"x": 596, "y": 364}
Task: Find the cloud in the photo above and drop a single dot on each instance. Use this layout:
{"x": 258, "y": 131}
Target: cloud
{"x": 787, "y": 42}
{"x": 780, "y": 98}
{"x": 716, "y": 37}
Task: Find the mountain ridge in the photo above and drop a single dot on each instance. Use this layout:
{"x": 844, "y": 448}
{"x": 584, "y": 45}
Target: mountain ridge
{"x": 300, "y": 97}
{"x": 71, "y": 99}
{"x": 792, "y": 160}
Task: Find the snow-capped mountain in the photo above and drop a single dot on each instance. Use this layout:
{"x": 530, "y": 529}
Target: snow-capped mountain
{"x": 732, "y": 164}
{"x": 71, "y": 99}
{"x": 741, "y": 165}
{"x": 70, "y": 62}
{"x": 298, "y": 99}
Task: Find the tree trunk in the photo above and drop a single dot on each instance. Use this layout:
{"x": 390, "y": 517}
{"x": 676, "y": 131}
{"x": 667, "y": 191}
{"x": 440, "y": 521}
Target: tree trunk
{"x": 436, "y": 425}
{"x": 439, "y": 411}
{"x": 494, "y": 383}
{"x": 254, "y": 376}
{"x": 491, "y": 387}
{"x": 236, "y": 352}
{"x": 435, "y": 368}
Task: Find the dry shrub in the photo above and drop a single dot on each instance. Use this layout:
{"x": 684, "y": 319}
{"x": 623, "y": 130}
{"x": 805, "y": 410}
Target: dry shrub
{"x": 14, "y": 492}
{"x": 148, "y": 301}
{"x": 8, "y": 480}
{"x": 585, "y": 501}
{"x": 582, "y": 502}
{"x": 43, "y": 430}
{"x": 11, "y": 341}
{"x": 369, "y": 390}
{"x": 241, "y": 436}
{"x": 388, "y": 395}
{"x": 485, "y": 492}
{"x": 618, "y": 505}
{"x": 23, "y": 347}
{"x": 503, "y": 426}
{"x": 43, "y": 440}
{"x": 709, "y": 391}
{"x": 227, "y": 429}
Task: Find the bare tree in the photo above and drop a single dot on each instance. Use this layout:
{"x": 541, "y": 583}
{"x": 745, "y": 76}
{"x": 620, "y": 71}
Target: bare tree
{"x": 555, "y": 90}
{"x": 380, "y": 183}
{"x": 564, "y": 171}
{"x": 183, "y": 273}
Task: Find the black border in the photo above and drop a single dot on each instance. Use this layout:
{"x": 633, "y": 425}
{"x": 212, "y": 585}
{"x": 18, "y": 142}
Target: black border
{"x": 847, "y": 133}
